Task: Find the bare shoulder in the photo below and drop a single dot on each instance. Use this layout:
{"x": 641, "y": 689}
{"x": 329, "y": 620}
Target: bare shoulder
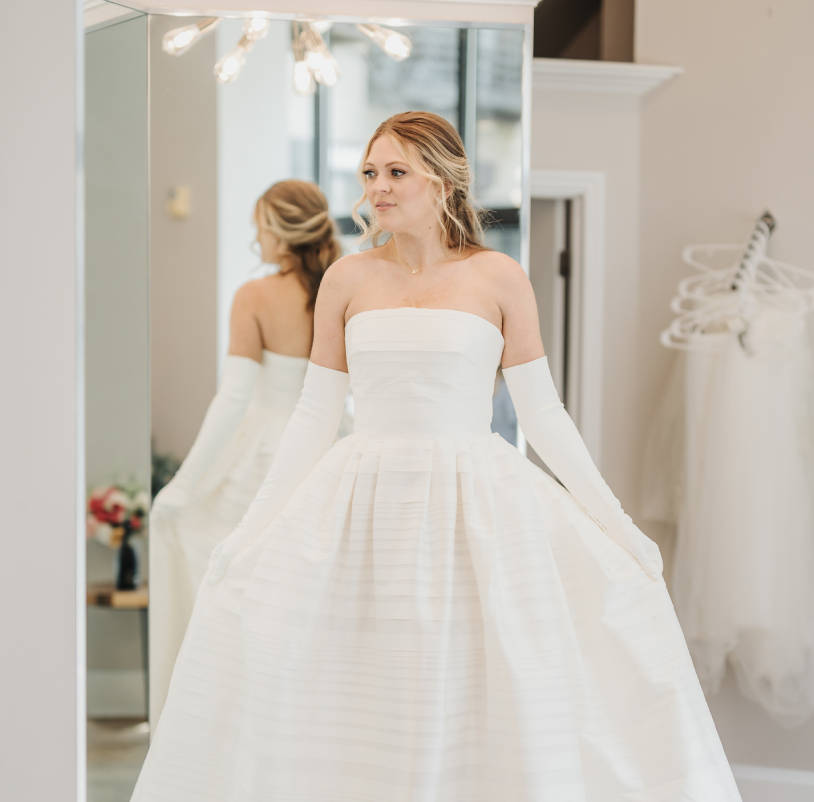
{"x": 509, "y": 285}
{"x": 249, "y": 289}
{"x": 339, "y": 284}
{"x": 505, "y": 277}
{"x": 345, "y": 276}
{"x": 499, "y": 266}
{"x": 247, "y": 296}
{"x": 245, "y": 337}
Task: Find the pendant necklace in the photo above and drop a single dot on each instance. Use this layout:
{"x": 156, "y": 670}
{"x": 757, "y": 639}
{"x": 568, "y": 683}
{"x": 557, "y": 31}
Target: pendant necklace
{"x": 413, "y": 270}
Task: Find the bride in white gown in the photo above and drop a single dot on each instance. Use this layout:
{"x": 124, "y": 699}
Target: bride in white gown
{"x": 271, "y": 329}
{"x": 417, "y": 612}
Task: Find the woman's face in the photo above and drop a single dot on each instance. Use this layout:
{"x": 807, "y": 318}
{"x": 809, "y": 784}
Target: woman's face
{"x": 401, "y": 198}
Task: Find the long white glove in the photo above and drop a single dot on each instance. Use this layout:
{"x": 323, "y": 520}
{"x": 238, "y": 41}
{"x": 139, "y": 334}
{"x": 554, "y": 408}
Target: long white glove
{"x": 223, "y": 416}
{"x": 549, "y": 428}
{"x": 309, "y": 433}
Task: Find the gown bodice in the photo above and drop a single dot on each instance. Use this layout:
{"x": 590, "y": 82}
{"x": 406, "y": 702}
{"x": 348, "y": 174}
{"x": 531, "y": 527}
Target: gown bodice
{"x": 280, "y": 380}
{"x": 422, "y": 371}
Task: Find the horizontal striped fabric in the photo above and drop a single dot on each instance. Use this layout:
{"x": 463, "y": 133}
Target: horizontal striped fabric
{"x": 432, "y": 618}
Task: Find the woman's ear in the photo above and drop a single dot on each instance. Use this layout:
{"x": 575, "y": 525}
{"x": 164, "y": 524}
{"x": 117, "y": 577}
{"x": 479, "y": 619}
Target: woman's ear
{"x": 443, "y": 189}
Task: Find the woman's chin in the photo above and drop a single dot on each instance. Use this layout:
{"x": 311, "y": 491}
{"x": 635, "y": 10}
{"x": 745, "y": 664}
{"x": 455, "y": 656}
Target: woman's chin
{"x": 389, "y": 226}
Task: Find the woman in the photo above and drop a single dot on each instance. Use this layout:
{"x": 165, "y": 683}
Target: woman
{"x": 418, "y": 612}
{"x": 271, "y": 329}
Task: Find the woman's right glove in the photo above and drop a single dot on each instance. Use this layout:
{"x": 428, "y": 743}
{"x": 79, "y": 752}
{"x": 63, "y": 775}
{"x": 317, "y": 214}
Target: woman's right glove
{"x": 223, "y": 416}
{"x": 309, "y": 433}
{"x": 549, "y": 428}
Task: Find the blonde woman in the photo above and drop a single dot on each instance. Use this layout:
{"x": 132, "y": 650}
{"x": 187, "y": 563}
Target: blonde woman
{"x": 271, "y": 330}
{"x": 418, "y": 612}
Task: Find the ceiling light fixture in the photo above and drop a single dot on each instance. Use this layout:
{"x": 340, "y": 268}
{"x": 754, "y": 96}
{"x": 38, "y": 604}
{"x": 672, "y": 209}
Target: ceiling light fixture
{"x": 319, "y": 59}
{"x": 229, "y": 67}
{"x": 177, "y": 41}
{"x": 313, "y": 61}
{"x": 304, "y": 83}
{"x": 396, "y": 45}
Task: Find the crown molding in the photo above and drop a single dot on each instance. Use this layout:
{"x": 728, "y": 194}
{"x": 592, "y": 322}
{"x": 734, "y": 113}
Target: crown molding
{"x": 602, "y": 77}
{"x": 497, "y": 12}
{"x": 98, "y": 13}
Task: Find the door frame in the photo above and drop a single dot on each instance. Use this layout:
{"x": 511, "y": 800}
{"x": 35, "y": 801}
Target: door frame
{"x": 588, "y": 187}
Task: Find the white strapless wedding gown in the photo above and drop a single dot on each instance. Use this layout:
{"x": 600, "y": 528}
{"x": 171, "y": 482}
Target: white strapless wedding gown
{"x": 432, "y": 618}
{"x": 180, "y": 544}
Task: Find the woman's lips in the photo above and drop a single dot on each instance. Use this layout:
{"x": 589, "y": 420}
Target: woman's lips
{"x": 383, "y": 206}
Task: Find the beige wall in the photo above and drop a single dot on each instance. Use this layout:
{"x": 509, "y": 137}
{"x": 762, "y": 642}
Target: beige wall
{"x": 728, "y": 139}
{"x": 183, "y": 253}
{"x": 41, "y": 480}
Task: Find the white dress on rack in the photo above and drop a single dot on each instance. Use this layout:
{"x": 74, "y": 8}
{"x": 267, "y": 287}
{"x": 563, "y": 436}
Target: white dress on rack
{"x": 730, "y": 460}
{"x": 180, "y": 544}
{"x": 432, "y": 617}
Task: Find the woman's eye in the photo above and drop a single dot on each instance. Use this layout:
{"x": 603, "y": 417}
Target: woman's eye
{"x": 367, "y": 173}
{"x": 396, "y": 170}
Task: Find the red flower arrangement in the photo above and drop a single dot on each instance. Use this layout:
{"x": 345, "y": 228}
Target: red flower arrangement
{"x": 116, "y": 512}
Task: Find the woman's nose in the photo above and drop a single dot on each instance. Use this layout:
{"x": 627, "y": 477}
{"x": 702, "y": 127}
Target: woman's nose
{"x": 381, "y": 184}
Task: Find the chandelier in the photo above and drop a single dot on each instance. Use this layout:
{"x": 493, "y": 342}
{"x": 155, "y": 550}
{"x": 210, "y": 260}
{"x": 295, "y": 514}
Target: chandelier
{"x": 313, "y": 61}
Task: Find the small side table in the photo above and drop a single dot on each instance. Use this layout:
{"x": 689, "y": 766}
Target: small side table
{"x": 104, "y": 594}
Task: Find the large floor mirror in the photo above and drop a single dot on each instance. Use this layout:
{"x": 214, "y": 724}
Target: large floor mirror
{"x": 175, "y": 165}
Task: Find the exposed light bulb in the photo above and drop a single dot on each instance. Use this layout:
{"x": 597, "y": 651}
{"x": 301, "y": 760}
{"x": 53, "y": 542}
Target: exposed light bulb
{"x": 229, "y": 67}
{"x": 395, "y": 44}
{"x": 304, "y": 82}
{"x": 255, "y": 28}
{"x": 177, "y": 41}
{"x": 318, "y": 58}
{"x": 321, "y": 25}
{"x": 323, "y": 67}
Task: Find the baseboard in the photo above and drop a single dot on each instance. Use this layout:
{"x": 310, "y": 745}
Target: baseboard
{"x": 116, "y": 693}
{"x": 771, "y": 784}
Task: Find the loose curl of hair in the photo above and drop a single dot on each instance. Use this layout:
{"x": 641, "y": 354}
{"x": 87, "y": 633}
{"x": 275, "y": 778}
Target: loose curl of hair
{"x": 442, "y": 159}
{"x": 296, "y": 212}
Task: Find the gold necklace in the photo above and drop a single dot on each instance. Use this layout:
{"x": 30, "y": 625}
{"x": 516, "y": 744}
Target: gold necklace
{"x": 413, "y": 270}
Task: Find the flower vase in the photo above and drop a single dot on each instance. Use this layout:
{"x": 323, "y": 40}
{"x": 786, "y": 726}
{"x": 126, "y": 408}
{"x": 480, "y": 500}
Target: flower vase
{"x": 126, "y": 565}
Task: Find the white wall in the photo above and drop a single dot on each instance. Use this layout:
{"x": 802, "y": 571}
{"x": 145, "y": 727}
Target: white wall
{"x": 41, "y": 692}
{"x": 600, "y": 132}
{"x": 253, "y": 151}
{"x": 728, "y": 139}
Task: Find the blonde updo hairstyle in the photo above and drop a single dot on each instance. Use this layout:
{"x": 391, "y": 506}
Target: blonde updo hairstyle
{"x": 438, "y": 154}
{"x": 296, "y": 213}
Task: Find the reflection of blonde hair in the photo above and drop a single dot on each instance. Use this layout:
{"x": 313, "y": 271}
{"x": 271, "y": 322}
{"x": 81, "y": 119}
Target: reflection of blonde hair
{"x": 296, "y": 212}
{"x": 441, "y": 159}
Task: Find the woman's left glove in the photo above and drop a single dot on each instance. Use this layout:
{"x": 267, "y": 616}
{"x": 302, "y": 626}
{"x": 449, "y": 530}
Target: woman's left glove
{"x": 554, "y": 436}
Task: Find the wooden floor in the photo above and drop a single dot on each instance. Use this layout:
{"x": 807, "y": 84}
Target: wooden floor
{"x": 116, "y": 750}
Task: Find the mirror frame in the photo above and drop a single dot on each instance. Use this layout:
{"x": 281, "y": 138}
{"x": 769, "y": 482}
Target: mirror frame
{"x": 515, "y": 14}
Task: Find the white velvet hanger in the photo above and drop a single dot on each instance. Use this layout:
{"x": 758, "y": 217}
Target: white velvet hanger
{"x": 720, "y": 301}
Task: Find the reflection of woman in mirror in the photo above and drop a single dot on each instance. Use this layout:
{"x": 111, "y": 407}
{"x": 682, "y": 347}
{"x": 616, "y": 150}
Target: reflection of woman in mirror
{"x": 270, "y": 335}
{"x": 417, "y": 611}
